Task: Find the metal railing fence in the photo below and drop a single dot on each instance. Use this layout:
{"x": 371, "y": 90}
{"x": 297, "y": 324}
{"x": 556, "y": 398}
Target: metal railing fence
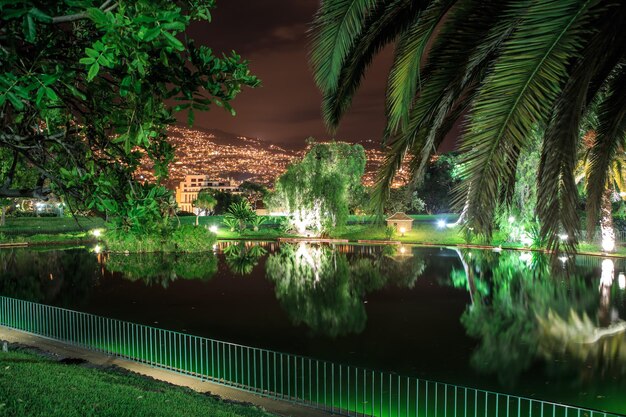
{"x": 340, "y": 389}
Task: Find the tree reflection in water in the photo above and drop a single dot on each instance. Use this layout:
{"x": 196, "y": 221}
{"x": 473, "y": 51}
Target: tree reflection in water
{"x": 162, "y": 269}
{"x": 47, "y": 276}
{"x": 321, "y": 288}
{"x": 242, "y": 257}
{"x": 521, "y": 310}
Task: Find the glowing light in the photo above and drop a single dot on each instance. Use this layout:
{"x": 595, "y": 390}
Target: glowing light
{"x": 608, "y": 243}
{"x": 526, "y": 240}
{"x": 563, "y": 259}
{"x": 511, "y": 219}
{"x": 606, "y": 277}
{"x": 525, "y": 256}
{"x": 497, "y": 249}
{"x": 96, "y": 232}
{"x": 402, "y": 249}
{"x": 97, "y": 249}
{"x": 213, "y": 229}
{"x": 564, "y": 236}
{"x": 403, "y": 230}
{"x": 441, "y": 224}
{"x": 621, "y": 281}
{"x": 214, "y": 247}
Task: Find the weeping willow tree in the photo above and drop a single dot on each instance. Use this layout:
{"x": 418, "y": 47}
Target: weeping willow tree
{"x": 507, "y": 65}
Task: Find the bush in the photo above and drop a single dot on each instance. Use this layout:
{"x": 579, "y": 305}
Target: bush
{"x": 186, "y": 238}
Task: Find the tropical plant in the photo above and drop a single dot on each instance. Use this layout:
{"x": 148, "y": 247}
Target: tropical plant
{"x": 204, "y": 202}
{"x": 241, "y": 213}
{"x": 257, "y": 221}
{"x": 508, "y": 66}
{"x": 231, "y": 223}
{"x": 88, "y": 89}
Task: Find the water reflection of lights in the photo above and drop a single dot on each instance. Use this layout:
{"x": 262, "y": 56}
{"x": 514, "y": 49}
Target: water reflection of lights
{"x": 525, "y": 256}
{"x": 621, "y": 281}
{"x": 402, "y": 249}
{"x": 563, "y": 259}
{"x": 497, "y": 249}
{"x": 564, "y": 236}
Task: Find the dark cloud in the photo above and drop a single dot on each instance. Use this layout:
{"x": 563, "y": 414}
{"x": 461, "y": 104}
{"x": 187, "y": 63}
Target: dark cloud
{"x": 272, "y": 35}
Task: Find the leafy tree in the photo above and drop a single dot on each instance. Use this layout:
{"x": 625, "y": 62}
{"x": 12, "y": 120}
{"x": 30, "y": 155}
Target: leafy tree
{"x": 241, "y": 213}
{"x": 204, "y": 202}
{"x": 253, "y": 192}
{"x": 402, "y": 200}
{"x": 441, "y": 177}
{"x": 508, "y": 66}
{"x": 224, "y": 200}
{"x": 88, "y": 89}
{"x": 316, "y": 191}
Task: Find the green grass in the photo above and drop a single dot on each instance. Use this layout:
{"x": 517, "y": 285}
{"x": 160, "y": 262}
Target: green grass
{"x": 38, "y": 239}
{"x": 47, "y": 225}
{"x": 31, "y": 385}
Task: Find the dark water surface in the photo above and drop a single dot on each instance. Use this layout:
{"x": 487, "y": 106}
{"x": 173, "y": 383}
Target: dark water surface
{"x": 508, "y": 321}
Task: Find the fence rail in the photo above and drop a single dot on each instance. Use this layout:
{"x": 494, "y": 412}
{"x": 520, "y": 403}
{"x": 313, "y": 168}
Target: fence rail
{"x": 340, "y": 389}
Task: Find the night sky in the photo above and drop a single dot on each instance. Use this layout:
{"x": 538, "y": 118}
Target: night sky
{"x": 271, "y": 34}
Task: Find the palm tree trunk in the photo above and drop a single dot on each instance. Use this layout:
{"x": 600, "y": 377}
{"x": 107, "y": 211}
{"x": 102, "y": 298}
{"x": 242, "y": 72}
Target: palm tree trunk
{"x": 606, "y": 222}
{"x": 4, "y": 216}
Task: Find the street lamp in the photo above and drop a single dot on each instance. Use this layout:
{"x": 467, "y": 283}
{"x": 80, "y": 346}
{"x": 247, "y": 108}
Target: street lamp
{"x": 402, "y": 231}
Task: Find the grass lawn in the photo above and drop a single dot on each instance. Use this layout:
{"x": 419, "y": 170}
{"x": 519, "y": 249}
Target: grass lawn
{"x": 31, "y": 385}
{"x": 47, "y": 225}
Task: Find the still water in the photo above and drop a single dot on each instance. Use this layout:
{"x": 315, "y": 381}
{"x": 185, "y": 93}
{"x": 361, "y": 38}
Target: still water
{"x": 510, "y": 322}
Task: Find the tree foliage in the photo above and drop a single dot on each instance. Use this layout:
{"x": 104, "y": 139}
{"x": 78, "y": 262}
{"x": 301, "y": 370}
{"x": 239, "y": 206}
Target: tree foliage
{"x": 316, "y": 192}
{"x": 88, "y": 88}
{"x": 508, "y": 66}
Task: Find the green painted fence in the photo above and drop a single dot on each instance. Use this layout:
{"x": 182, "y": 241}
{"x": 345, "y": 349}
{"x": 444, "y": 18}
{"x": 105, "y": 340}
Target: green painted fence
{"x": 340, "y": 389}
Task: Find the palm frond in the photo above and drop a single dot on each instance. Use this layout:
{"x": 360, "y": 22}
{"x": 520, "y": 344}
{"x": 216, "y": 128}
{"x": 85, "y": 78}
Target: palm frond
{"x": 337, "y": 25}
{"x": 521, "y": 90}
{"x": 404, "y": 76}
{"x": 382, "y": 27}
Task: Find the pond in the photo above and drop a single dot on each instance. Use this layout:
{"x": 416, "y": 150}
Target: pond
{"x": 506, "y": 321}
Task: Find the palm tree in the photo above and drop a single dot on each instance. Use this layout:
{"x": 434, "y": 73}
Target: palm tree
{"x": 615, "y": 184}
{"x": 507, "y": 65}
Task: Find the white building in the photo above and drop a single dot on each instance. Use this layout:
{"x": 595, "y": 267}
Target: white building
{"x": 187, "y": 191}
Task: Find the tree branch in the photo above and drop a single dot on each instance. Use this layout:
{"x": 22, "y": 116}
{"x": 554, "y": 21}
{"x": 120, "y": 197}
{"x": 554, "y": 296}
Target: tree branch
{"x": 106, "y": 7}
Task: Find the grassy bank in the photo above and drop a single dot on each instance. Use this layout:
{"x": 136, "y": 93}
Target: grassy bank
{"x": 425, "y": 231}
{"x": 31, "y": 385}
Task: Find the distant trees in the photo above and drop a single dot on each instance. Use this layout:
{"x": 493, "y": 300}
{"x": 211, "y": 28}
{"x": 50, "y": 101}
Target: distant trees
{"x": 316, "y": 192}
{"x": 224, "y": 200}
{"x": 253, "y": 192}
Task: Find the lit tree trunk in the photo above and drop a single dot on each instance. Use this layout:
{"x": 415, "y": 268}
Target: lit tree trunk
{"x": 197, "y": 218}
{"x": 606, "y": 222}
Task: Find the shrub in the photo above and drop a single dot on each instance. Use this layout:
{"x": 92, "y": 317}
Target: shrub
{"x": 185, "y": 238}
